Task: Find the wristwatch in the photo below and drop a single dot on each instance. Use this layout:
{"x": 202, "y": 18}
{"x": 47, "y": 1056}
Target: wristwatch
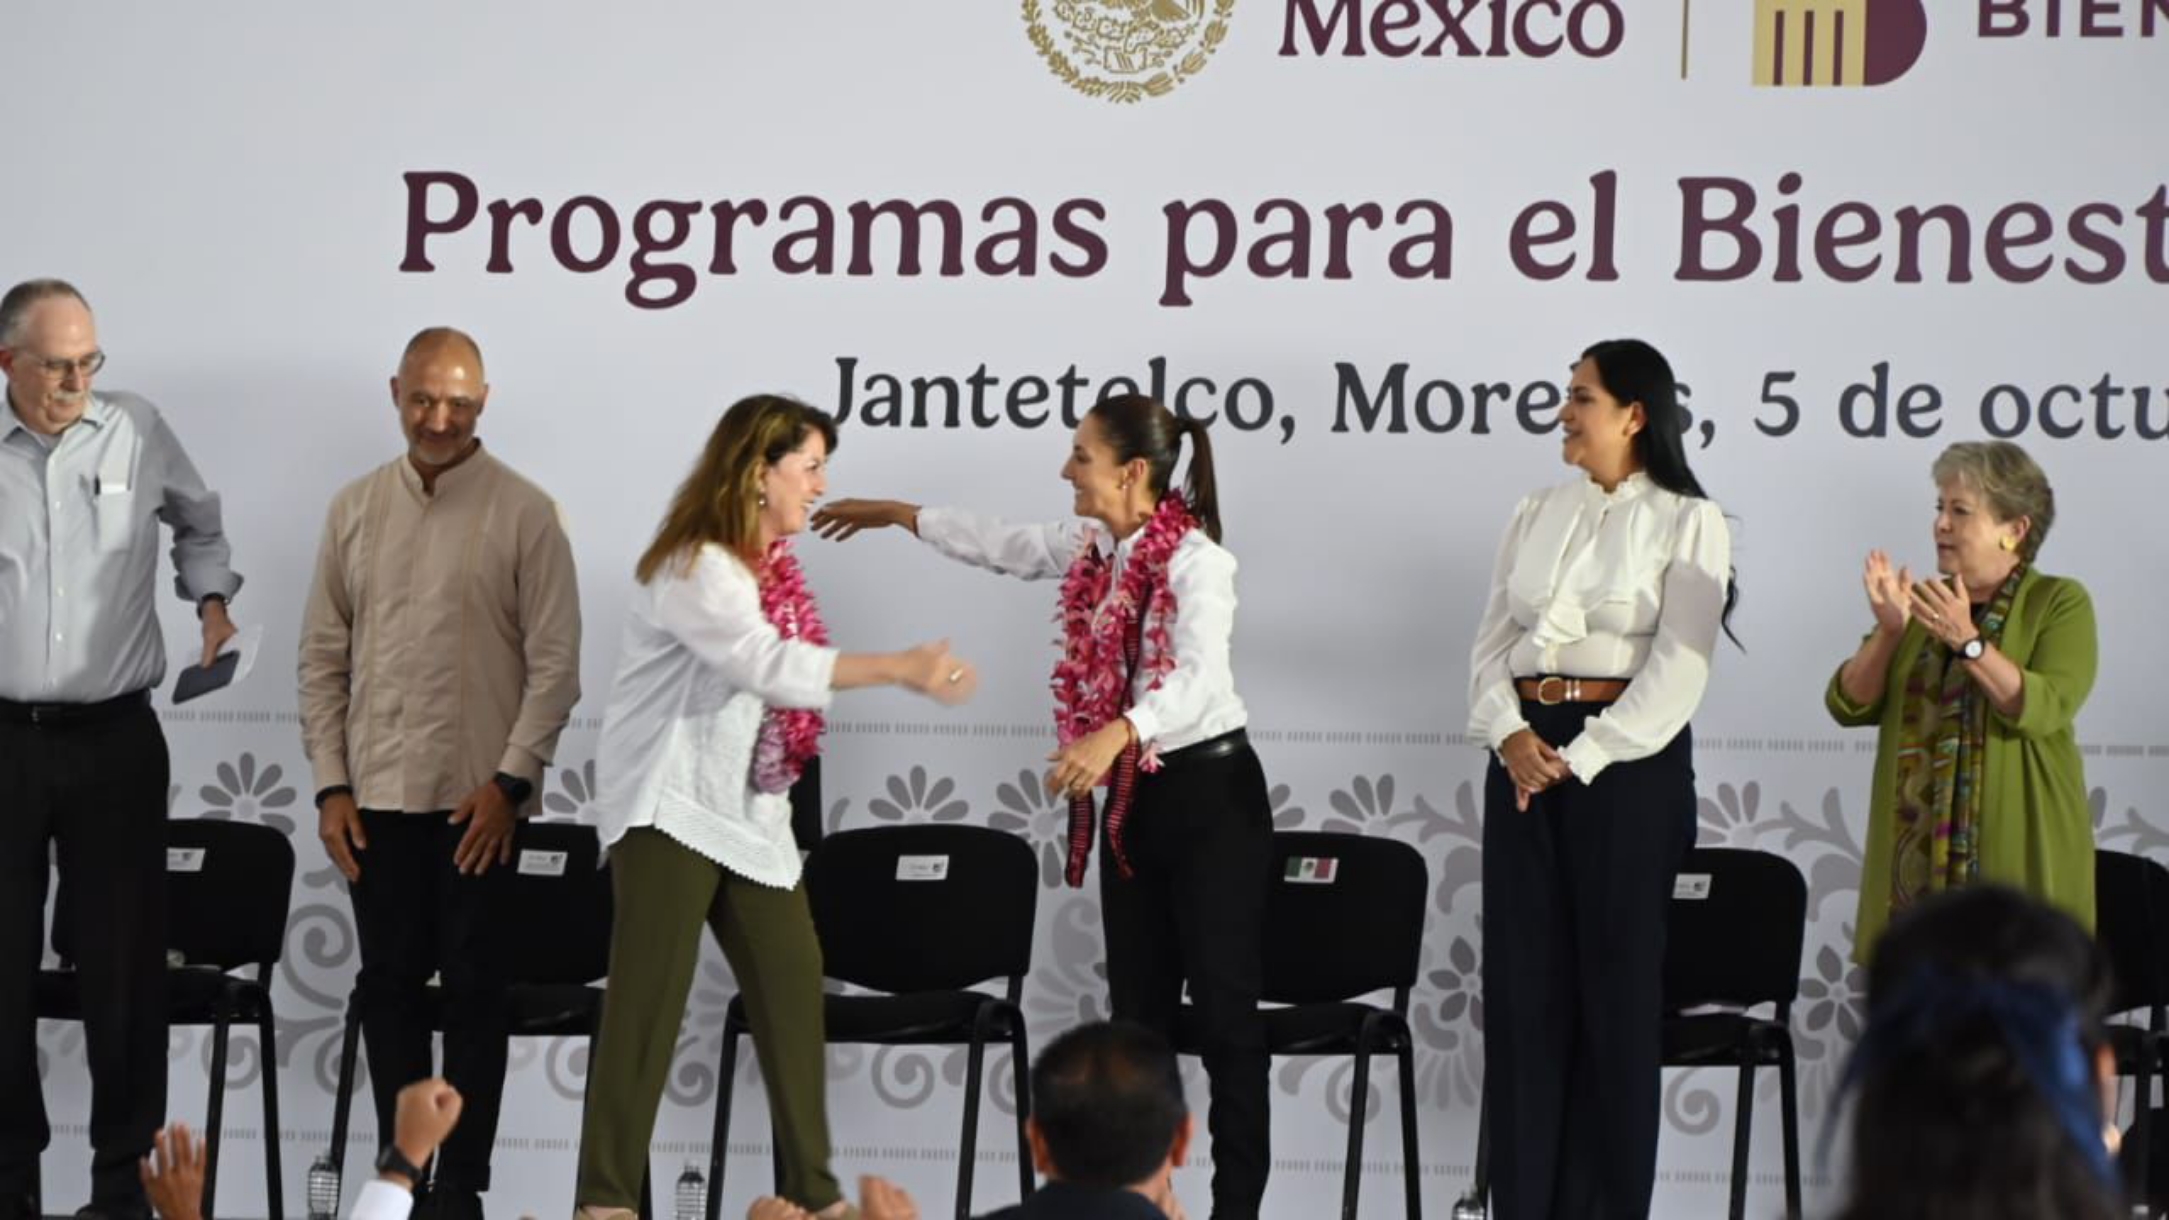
{"x": 1973, "y": 649}
{"x": 516, "y": 790}
{"x": 392, "y": 1160}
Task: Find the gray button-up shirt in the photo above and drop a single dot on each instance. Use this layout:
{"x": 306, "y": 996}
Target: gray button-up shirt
{"x": 79, "y": 521}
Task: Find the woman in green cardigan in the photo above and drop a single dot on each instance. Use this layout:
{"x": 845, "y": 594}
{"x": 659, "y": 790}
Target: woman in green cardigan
{"x": 1973, "y": 682}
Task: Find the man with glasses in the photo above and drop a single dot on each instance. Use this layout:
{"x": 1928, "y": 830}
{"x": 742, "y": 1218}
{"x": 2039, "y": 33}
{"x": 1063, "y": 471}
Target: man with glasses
{"x": 440, "y": 658}
{"x": 85, "y": 480}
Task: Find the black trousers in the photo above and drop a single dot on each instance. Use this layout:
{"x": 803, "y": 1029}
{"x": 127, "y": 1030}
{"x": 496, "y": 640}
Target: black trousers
{"x": 417, "y": 916}
{"x": 1200, "y": 839}
{"x": 1575, "y": 895}
{"x": 98, "y": 792}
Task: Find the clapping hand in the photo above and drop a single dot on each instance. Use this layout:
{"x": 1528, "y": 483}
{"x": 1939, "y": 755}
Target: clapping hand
{"x": 1888, "y": 595}
{"x": 1946, "y": 610}
{"x": 173, "y": 1173}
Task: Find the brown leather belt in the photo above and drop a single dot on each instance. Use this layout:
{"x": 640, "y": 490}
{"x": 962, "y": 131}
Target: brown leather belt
{"x": 1552, "y": 690}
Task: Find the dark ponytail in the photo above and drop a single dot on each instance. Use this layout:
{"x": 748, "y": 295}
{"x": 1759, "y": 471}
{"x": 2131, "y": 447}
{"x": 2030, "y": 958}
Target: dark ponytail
{"x": 1137, "y": 426}
{"x": 1198, "y": 485}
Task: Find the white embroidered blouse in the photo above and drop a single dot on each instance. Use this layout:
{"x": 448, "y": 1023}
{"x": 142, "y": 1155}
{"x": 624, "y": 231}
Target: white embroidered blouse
{"x": 698, "y": 664}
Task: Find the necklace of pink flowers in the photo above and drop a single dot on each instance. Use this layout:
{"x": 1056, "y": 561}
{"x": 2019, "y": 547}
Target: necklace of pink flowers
{"x": 789, "y": 737}
{"x": 1104, "y": 638}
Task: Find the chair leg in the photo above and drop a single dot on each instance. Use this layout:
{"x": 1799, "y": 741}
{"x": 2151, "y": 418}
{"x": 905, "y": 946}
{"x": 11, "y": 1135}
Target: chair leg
{"x": 1023, "y": 1087}
{"x": 1480, "y": 1187}
{"x": 343, "y": 1097}
{"x": 1359, "y": 1101}
{"x": 1743, "y": 1121}
{"x": 719, "y": 1141}
{"x": 267, "y": 1046}
{"x": 968, "y": 1155}
{"x": 2142, "y": 1122}
{"x": 1411, "y": 1165}
{"x": 215, "y": 1114}
{"x": 1789, "y": 1097}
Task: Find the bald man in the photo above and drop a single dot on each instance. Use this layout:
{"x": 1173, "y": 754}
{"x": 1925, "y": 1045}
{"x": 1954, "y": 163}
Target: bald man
{"x": 440, "y": 658}
{"x": 86, "y": 478}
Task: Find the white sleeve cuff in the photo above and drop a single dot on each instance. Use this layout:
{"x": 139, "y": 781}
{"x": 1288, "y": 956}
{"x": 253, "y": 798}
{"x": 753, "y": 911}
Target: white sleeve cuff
{"x": 381, "y": 1200}
{"x": 1585, "y": 758}
{"x": 1146, "y": 725}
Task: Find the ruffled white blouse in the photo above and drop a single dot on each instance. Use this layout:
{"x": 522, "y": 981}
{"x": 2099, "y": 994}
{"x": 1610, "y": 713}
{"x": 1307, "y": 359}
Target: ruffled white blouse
{"x": 1590, "y": 584}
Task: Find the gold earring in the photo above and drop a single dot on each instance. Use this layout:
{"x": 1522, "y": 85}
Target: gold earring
{"x": 2010, "y": 543}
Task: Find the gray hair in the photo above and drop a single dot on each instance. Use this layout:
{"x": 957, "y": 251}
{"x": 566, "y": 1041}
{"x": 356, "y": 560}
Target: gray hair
{"x": 2009, "y": 479}
{"x": 16, "y": 306}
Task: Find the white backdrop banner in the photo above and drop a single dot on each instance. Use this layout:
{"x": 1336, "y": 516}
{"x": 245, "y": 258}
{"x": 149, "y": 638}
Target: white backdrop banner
{"x": 1363, "y": 238}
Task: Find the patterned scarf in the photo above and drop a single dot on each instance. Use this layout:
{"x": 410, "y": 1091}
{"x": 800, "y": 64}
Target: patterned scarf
{"x": 1942, "y": 746}
{"x": 1103, "y": 643}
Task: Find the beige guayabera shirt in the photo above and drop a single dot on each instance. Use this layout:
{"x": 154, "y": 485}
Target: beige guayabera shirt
{"x": 441, "y": 642}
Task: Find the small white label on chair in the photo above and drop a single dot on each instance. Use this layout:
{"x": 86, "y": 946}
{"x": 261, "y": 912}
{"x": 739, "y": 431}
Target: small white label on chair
{"x": 1691, "y": 887}
{"x": 542, "y": 863}
{"x": 922, "y": 868}
{"x": 185, "y": 859}
{"x": 1312, "y": 870}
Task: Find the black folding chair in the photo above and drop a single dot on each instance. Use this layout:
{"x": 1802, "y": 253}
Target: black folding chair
{"x": 2131, "y": 904}
{"x": 1343, "y": 920}
{"x": 560, "y": 902}
{"x": 1734, "y": 939}
{"x": 228, "y": 884}
{"x": 924, "y": 914}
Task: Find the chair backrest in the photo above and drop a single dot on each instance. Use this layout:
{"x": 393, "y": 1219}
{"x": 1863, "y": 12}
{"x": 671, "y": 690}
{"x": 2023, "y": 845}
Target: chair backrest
{"x": 923, "y": 908}
{"x": 2131, "y": 920}
{"x": 1343, "y": 916}
{"x": 806, "y": 825}
{"x": 227, "y": 888}
{"x": 228, "y": 885}
{"x": 1737, "y": 926}
{"x": 557, "y": 905}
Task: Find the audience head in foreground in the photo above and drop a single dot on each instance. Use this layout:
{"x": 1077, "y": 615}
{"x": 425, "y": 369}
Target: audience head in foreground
{"x": 1983, "y": 1085}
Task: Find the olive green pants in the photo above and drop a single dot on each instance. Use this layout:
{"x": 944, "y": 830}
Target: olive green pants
{"x": 665, "y": 891}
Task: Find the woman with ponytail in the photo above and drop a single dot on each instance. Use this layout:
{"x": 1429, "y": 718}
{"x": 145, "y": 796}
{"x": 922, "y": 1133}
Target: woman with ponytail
{"x": 1145, "y": 707}
{"x": 722, "y": 676}
{"x": 1592, "y": 655}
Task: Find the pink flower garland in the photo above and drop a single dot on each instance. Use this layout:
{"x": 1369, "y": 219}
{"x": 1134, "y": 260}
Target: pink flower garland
{"x": 1091, "y": 685}
{"x": 789, "y": 736}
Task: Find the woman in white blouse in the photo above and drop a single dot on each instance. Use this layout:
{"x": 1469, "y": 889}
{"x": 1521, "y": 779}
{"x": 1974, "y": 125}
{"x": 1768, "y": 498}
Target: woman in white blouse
{"x": 1595, "y": 645}
{"x": 715, "y": 709}
{"x": 1146, "y": 705}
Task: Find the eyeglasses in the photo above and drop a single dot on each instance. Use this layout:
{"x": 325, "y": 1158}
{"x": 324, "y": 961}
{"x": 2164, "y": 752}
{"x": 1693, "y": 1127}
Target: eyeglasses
{"x": 58, "y": 370}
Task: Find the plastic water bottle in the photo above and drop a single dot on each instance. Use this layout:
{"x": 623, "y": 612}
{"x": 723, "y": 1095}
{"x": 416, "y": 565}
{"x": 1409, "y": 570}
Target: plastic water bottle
{"x": 692, "y": 1193}
{"x": 323, "y": 1189}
